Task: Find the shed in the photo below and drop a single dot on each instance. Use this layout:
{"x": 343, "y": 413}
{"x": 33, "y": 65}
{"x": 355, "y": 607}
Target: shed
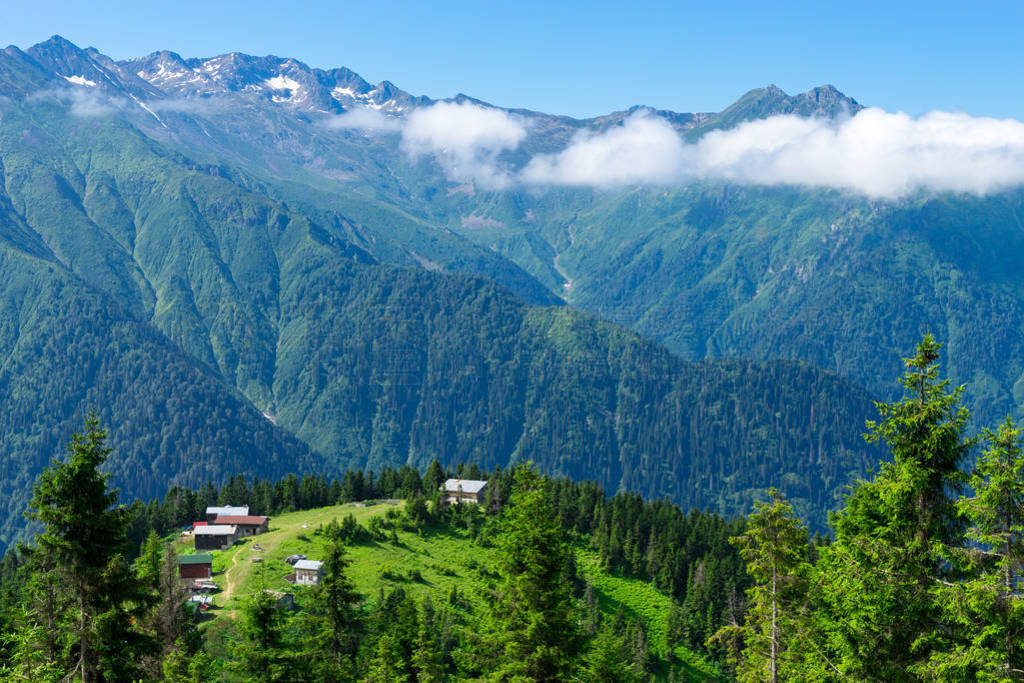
{"x": 248, "y": 525}
{"x": 195, "y": 566}
{"x": 215, "y": 536}
{"x": 465, "y": 490}
{"x": 308, "y": 572}
{"x": 214, "y": 511}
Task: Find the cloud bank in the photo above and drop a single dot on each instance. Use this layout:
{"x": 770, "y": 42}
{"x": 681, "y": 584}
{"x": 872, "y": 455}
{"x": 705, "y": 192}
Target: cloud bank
{"x": 874, "y": 153}
{"x": 466, "y": 139}
{"x": 641, "y": 150}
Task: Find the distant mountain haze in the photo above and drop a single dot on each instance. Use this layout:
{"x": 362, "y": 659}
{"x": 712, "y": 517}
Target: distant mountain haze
{"x": 248, "y": 265}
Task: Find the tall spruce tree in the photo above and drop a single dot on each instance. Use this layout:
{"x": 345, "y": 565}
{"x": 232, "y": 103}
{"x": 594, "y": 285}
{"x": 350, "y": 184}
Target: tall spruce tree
{"x": 986, "y": 608}
{"x": 333, "y": 623}
{"x": 537, "y": 625}
{"x": 774, "y": 547}
{"x": 259, "y": 651}
{"x": 83, "y": 549}
{"x": 881, "y": 573}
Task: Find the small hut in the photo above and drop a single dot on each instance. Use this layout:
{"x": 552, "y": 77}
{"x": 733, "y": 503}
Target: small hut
{"x": 308, "y": 572}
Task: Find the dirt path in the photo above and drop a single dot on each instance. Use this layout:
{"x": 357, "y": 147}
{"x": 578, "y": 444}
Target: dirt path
{"x": 229, "y": 588}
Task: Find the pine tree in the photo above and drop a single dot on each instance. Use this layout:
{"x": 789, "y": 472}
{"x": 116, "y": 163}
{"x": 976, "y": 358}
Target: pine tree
{"x": 774, "y": 547}
{"x": 259, "y": 653}
{"x": 433, "y": 477}
{"x": 987, "y": 607}
{"x": 428, "y": 659}
{"x": 609, "y": 660}
{"x": 880, "y": 574}
{"x": 147, "y": 565}
{"x": 182, "y": 666}
{"x": 83, "y": 548}
{"x": 537, "y": 625}
{"x": 333, "y": 623}
{"x": 170, "y": 619}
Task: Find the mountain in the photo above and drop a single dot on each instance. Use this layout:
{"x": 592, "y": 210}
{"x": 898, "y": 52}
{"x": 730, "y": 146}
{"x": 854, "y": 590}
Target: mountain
{"x": 236, "y": 287}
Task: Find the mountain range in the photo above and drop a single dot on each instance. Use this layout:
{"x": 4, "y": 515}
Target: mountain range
{"x": 238, "y": 278}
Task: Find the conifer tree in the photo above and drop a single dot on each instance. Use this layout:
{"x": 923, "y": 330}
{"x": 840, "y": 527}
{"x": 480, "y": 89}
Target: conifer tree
{"x": 428, "y": 659}
{"x": 83, "y": 548}
{"x": 259, "y": 654}
{"x": 334, "y": 623}
{"x": 535, "y": 616}
{"x": 609, "y": 660}
{"x": 880, "y": 575}
{"x": 433, "y": 478}
{"x": 774, "y": 547}
{"x": 987, "y": 607}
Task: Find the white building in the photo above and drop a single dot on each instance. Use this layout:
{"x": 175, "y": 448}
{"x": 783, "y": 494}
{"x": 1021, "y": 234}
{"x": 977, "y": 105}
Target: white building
{"x": 308, "y": 572}
{"x": 465, "y": 490}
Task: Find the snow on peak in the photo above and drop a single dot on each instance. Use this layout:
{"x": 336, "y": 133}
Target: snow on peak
{"x": 281, "y": 82}
{"x": 340, "y": 92}
{"x": 80, "y": 80}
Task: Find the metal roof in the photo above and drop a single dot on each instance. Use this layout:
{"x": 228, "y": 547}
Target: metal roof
{"x": 467, "y": 485}
{"x": 228, "y": 510}
{"x": 215, "y": 530}
{"x": 200, "y": 558}
{"x": 309, "y": 564}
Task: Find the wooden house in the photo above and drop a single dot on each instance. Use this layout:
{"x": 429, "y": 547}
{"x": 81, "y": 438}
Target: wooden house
{"x": 215, "y": 536}
{"x": 248, "y": 525}
{"x": 196, "y": 566}
{"x": 465, "y": 490}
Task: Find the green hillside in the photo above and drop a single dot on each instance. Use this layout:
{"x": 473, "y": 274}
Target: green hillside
{"x": 432, "y": 563}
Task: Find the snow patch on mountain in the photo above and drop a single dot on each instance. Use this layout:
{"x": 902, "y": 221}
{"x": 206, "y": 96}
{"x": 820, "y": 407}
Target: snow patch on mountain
{"x": 282, "y": 82}
{"x": 339, "y": 92}
{"x": 80, "y": 80}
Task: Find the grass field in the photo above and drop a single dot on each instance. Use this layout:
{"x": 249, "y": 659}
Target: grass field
{"x": 431, "y": 563}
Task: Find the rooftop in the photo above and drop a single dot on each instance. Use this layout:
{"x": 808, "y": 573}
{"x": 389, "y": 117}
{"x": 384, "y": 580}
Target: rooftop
{"x": 228, "y": 510}
{"x": 309, "y": 564}
{"x": 199, "y": 558}
{"x": 239, "y": 519}
{"x": 467, "y": 485}
{"x": 215, "y": 530}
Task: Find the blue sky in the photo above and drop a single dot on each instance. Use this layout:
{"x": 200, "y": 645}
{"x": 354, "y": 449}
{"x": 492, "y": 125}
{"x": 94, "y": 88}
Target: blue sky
{"x": 589, "y": 58}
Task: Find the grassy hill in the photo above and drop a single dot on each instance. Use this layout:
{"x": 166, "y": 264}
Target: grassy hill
{"x": 434, "y": 562}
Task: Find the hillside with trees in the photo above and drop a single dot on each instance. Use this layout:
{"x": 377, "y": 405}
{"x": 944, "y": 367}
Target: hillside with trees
{"x": 544, "y": 579}
{"x": 220, "y": 325}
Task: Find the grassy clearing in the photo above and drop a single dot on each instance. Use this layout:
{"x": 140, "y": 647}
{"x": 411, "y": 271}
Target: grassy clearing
{"x": 432, "y": 563}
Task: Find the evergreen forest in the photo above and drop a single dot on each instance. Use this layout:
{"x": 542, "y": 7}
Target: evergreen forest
{"x": 917, "y": 578}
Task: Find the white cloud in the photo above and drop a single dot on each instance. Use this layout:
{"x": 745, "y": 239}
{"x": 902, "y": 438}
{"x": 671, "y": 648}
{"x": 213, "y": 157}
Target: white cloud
{"x": 88, "y": 104}
{"x": 466, "y": 139}
{"x": 82, "y": 101}
{"x": 874, "y": 153}
{"x": 644, "y": 149}
{"x": 364, "y": 118}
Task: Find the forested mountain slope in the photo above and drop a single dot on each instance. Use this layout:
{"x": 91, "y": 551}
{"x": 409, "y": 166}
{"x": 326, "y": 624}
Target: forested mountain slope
{"x": 183, "y": 290}
{"x": 711, "y": 269}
